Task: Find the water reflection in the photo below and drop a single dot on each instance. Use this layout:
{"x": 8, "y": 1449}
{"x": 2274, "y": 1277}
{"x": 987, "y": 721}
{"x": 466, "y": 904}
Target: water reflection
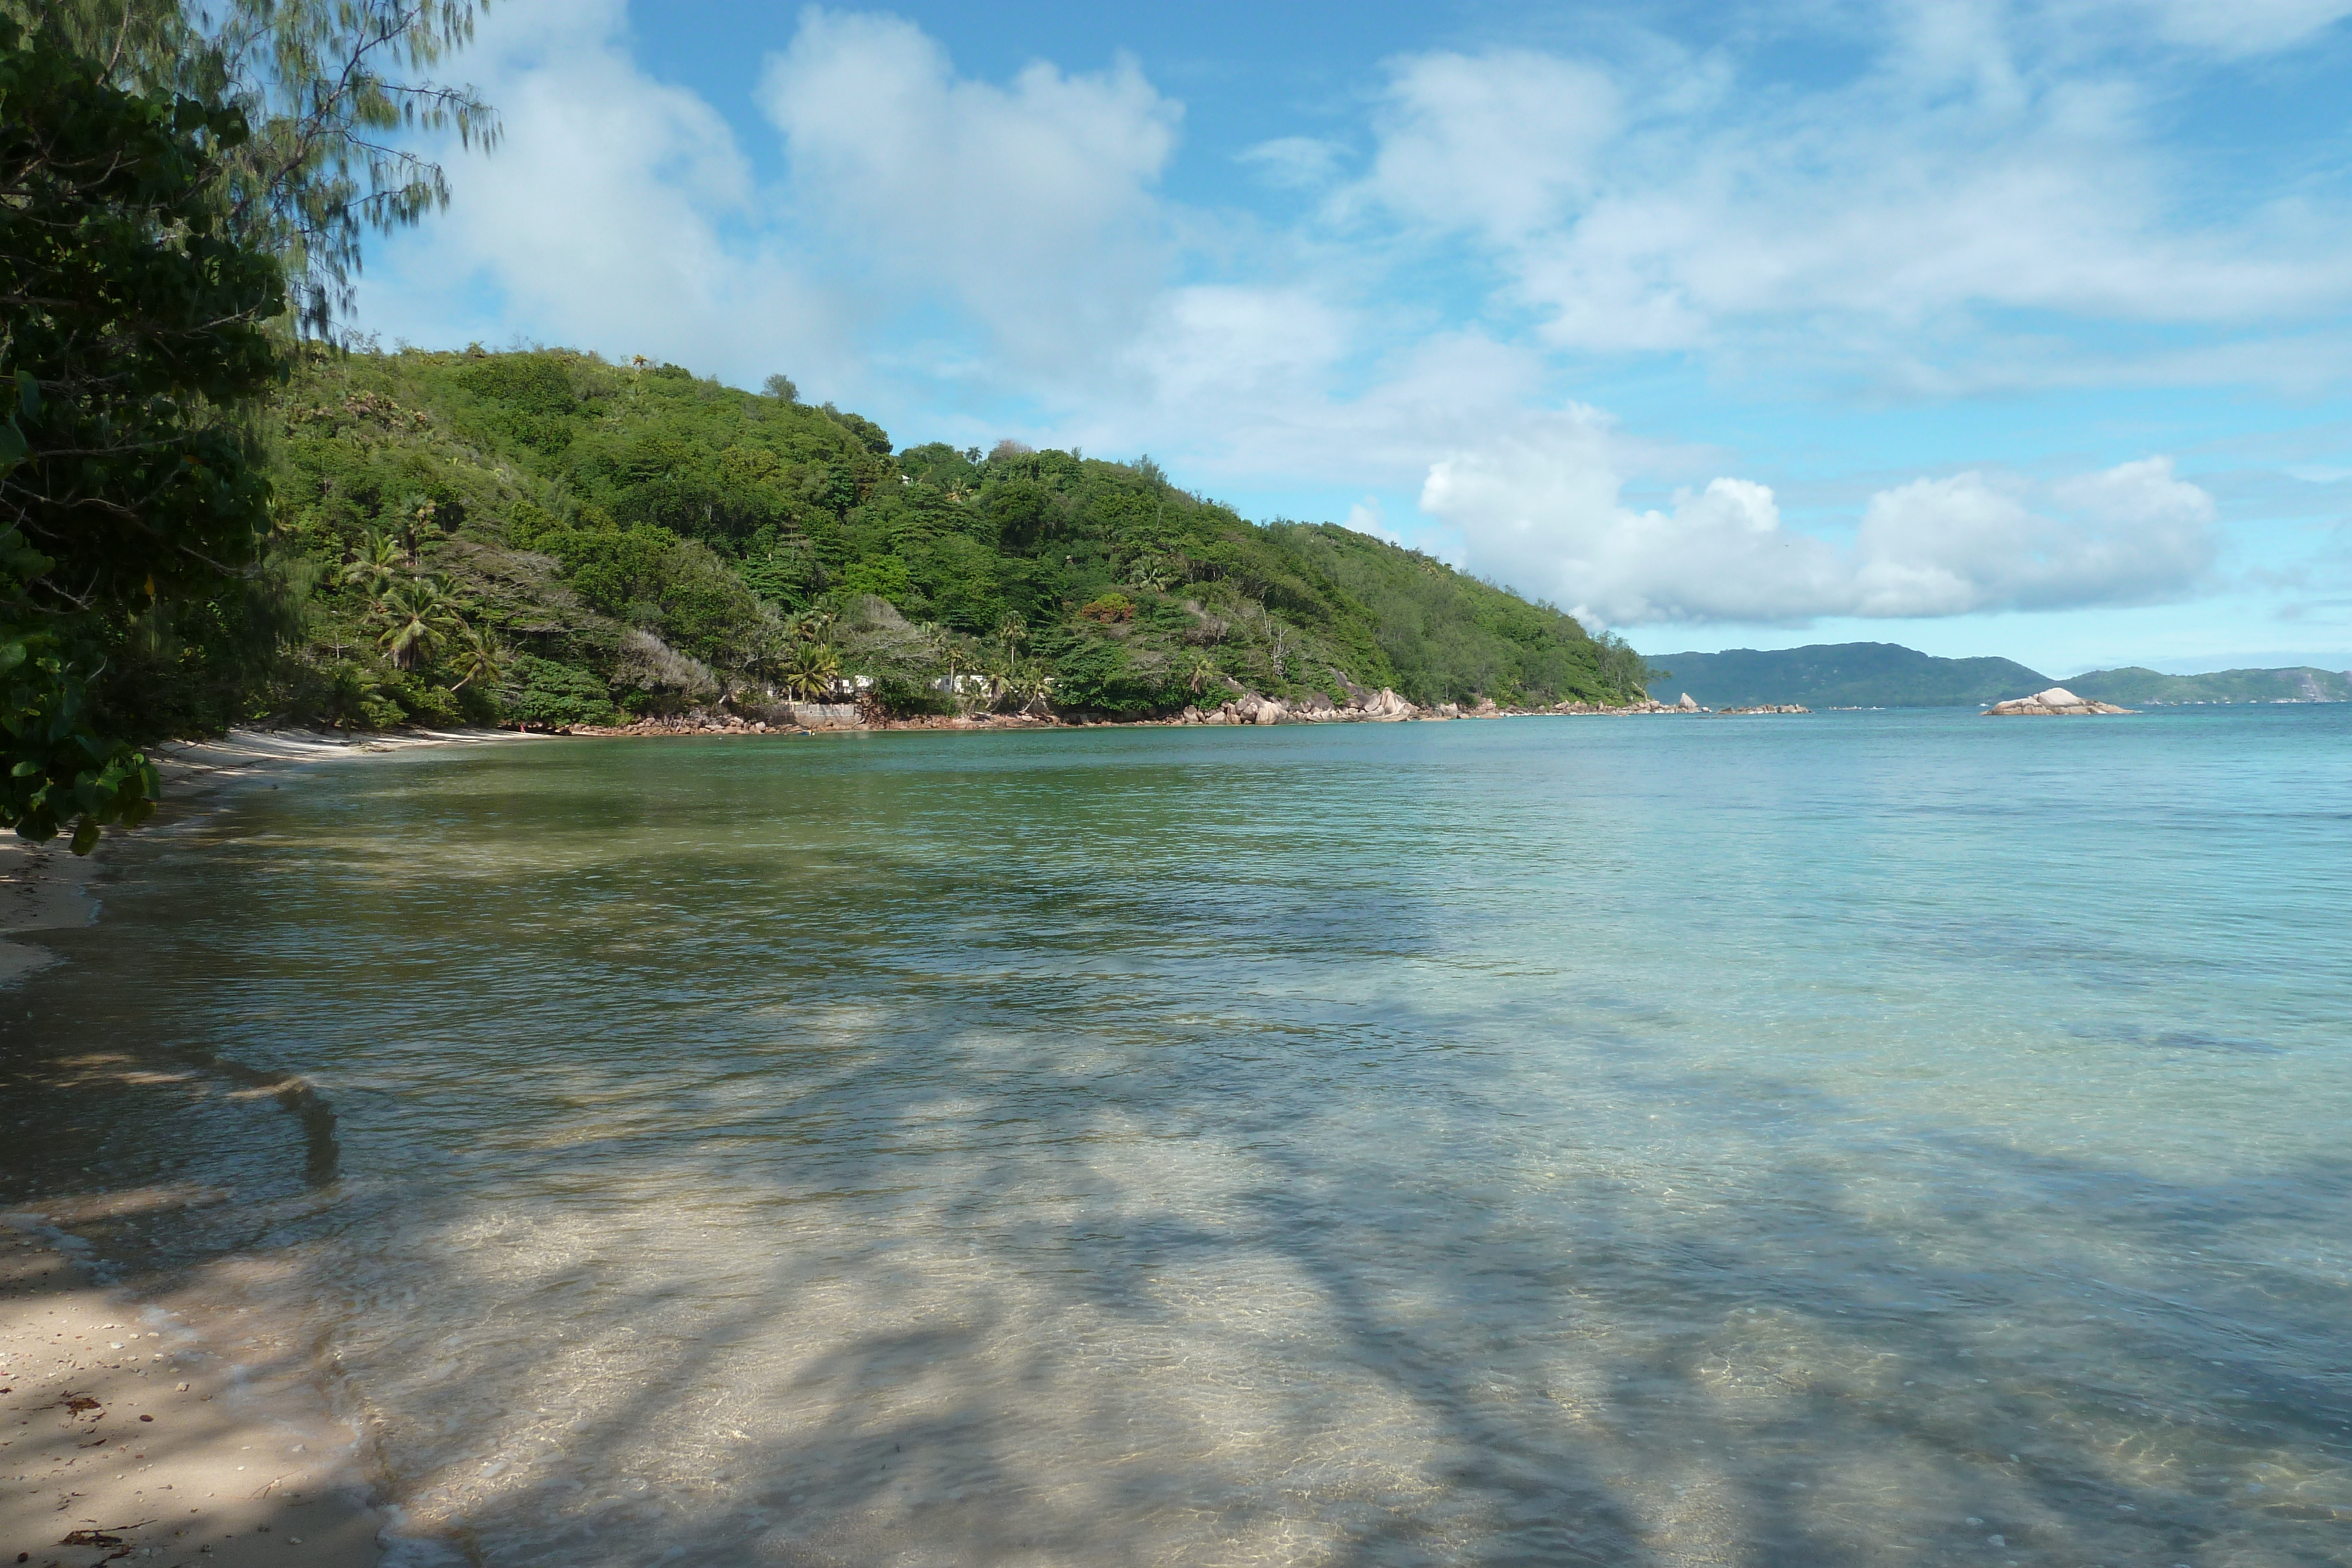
{"x": 1481, "y": 1144}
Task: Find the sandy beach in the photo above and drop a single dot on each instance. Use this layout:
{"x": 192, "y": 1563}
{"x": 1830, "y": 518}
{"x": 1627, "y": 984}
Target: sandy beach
{"x": 160, "y": 1418}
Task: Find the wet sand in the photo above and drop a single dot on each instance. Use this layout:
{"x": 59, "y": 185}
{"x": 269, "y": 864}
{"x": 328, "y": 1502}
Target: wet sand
{"x": 172, "y": 1423}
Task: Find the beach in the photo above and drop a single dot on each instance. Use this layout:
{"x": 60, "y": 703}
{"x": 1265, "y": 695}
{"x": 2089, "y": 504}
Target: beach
{"x": 161, "y": 1414}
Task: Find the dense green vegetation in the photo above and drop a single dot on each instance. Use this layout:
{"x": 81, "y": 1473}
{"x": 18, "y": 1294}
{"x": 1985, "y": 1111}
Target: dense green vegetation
{"x": 2134, "y": 685}
{"x": 548, "y": 537}
{"x": 1841, "y": 674}
{"x": 181, "y": 186}
{"x": 129, "y": 318}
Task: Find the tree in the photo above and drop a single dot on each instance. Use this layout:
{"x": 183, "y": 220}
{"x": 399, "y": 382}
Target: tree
{"x": 810, "y": 671}
{"x": 58, "y": 768}
{"x": 375, "y": 564}
{"x": 782, "y": 389}
{"x": 416, "y": 616}
{"x": 129, "y": 321}
{"x": 420, "y": 515}
{"x": 477, "y": 655}
{"x": 321, "y": 83}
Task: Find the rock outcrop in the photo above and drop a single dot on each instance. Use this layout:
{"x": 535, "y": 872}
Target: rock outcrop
{"x": 2057, "y": 702}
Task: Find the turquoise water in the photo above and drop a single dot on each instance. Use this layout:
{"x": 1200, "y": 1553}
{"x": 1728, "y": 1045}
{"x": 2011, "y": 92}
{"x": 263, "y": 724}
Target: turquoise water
{"x": 1872, "y": 1138}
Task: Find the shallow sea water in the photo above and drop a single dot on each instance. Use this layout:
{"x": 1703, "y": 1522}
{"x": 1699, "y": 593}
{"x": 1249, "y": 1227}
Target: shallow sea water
{"x": 1855, "y": 1138}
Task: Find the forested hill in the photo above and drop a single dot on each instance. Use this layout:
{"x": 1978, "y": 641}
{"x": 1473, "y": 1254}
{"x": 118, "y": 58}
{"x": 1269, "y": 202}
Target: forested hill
{"x": 1841, "y": 674}
{"x": 2135, "y": 684}
{"x": 549, "y": 536}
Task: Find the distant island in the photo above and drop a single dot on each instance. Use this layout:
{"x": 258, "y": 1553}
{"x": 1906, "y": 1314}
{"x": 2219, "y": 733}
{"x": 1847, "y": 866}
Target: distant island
{"x": 1886, "y": 674}
{"x": 2142, "y": 687}
{"x": 1841, "y": 674}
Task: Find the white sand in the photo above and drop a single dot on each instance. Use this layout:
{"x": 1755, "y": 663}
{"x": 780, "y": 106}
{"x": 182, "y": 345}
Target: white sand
{"x": 120, "y": 1427}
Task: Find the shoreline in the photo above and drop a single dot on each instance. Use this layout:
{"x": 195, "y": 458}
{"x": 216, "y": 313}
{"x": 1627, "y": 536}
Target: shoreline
{"x": 172, "y": 1420}
{"x": 1383, "y": 706}
{"x": 47, "y": 888}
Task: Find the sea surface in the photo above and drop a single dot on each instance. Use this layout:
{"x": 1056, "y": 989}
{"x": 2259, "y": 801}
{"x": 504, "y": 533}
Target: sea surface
{"x": 1871, "y": 1138}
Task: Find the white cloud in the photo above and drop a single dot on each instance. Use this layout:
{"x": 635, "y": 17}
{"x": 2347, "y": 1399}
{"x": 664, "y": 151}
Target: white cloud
{"x": 1496, "y": 141}
{"x": 1668, "y": 205}
{"x": 608, "y": 217}
{"x": 2131, "y": 533}
{"x": 1369, "y": 516}
{"x": 1220, "y": 345}
{"x": 1543, "y": 508}
{"x": 1296, "y": 162}
{"x": 2245, "y": 26}
{"x": 1031, "y": 205}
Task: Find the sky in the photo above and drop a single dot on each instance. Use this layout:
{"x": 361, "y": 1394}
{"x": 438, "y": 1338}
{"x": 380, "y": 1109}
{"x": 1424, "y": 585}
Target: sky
{"x": 1979, "y": 327}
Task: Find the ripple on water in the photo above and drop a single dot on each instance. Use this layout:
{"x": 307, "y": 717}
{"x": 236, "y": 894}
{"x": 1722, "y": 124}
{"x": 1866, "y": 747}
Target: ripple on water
{"x": 1883, "y": 1138}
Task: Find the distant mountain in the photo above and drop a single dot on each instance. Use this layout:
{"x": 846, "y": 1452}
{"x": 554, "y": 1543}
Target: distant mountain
{"x": 2135, "y": 686}
{"x": 1842, "y": 675}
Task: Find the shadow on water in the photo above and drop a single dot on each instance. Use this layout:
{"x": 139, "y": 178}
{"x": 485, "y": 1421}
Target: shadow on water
{"x": 1850, "y": 1429}
{"x": 1585, "y": 1455}
{"x": 1096, "y": 1200}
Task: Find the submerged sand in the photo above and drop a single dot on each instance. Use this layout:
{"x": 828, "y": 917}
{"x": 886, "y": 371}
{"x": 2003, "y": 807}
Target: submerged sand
{"x": 167, "y": 1423}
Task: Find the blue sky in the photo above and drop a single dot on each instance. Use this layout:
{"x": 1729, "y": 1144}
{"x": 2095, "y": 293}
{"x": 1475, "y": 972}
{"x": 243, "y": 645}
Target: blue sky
{"x": 1981, "y": 327}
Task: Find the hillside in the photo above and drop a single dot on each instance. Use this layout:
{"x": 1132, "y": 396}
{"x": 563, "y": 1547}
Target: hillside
{"x": 1841, "y": 674}
{"x": 2136, "y": 686}
{"x": 547, "y": 537}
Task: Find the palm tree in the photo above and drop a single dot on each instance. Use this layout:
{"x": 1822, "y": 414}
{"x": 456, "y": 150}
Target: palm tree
{"x": 422, "y": 514}
{"x": 810, "y": 670}
{"x": 416, "y": 614}
{"x": 477, "y": 656}
{"x": 1011, "y": 632}
{"x": 1204, "y": 670}
{"x": 374, "y": 563}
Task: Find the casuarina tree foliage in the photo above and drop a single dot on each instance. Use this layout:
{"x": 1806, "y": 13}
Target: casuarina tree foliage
{"x": 129, "y": 321}
{"x": 181, "y": 189}
{"x": 327, "y": 87}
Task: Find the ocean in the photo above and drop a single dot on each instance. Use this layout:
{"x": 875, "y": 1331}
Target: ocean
{"x": 1861, "y": 1139}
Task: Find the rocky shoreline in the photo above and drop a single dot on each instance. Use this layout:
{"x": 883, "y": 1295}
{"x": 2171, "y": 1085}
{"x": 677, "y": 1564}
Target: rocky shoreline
{"x": 1244, "y": 707}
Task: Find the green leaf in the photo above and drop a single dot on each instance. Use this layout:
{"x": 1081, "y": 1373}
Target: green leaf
{"x": 28, "y": 394}
{"x": 13, "y": 447}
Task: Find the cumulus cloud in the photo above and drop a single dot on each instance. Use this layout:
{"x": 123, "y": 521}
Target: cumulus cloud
{"x": 1545, "y": 509}
{"x": 1030, "y": 205}
{"x": 597, "y": 157}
